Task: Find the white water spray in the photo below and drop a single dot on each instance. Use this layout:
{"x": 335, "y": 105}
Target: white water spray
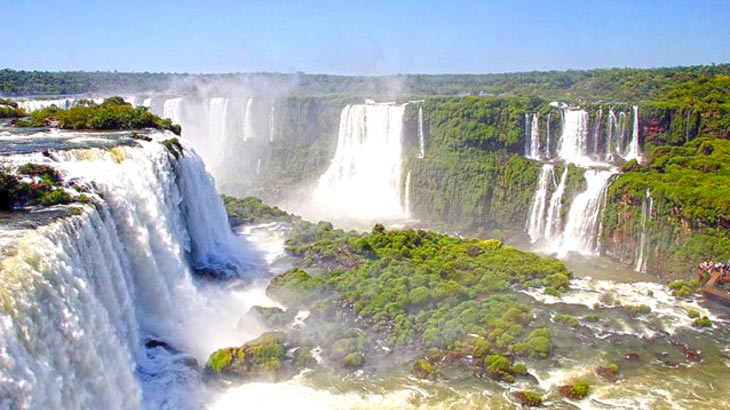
{"x": 421, "y": 136}
{"x": 363, "y": 180}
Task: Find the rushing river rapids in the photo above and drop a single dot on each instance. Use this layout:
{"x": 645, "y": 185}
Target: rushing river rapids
{"x": 101, "y": 308}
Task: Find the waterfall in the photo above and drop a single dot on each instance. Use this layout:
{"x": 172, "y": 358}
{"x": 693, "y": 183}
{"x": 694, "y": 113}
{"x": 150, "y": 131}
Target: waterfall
{"x": 147, "y": 102}
{"x": 554, "y": 214}
{"x": 80, "y": 295}
{"x": 646, "y": 209}
{"x": 634, "y": 150}
{"x": 574, "y": 138}
{"x": 248, "y": 129}
{"x": 272, "y": 121}
{"x": 171, "y": 109}
{"x": 547, "y": 138}
{"x": 421, "y": 136}
{"x": 597, "y": 130}
{"x": 33, "y": 105}
{"x": 582, "y": 224}
{"x": 258, "y": 166}
{"x": 621, "y": 135}
{"x": 534, "y": 147}
{"x": 363, "y": 180}
{"x": 610, "y": 132}
{"x": 536, "y": 220}
{"x": 407, "y": 195}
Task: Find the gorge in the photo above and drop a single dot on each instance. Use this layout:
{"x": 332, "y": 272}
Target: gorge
{"x": 145, "y": 279}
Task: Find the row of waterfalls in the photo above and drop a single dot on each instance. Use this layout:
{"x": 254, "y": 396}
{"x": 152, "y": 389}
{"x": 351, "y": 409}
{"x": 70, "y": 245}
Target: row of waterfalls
{"x": 366, "y": 177}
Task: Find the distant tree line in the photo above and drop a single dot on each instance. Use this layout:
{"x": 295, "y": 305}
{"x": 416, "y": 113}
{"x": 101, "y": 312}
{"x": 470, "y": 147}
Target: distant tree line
{"x": 615, "y": 84}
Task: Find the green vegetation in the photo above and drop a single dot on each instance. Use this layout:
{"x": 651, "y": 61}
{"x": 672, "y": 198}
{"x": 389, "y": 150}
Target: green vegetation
{"x": 261, "y": 359}
{"x": 691, "y": 213}
{"x": 576, "y": 391}
{"x": 528, "y": 399}
{"x": 566, "y": 319}
{"x": 271, "y": 316}
{"x": 616, "y": 84}
{"x": 9, "y": 109}
{"x": 472, "y": 177}
{"x": 33, "y": 184}
{"x": 112, "y": 114}
{"x": 703, "y": 321}
{"x": 251, "y": 210}
{"x": 637, "y": 310}
{"x": 693, "y": 314}
{"x": 173, "y": 147}
{"x": 419, "y": 289}
{"x": 424, "y": 369}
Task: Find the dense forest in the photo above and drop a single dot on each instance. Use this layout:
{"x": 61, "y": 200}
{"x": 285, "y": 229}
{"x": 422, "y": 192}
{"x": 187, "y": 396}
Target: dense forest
{"x": 615, "y": 84}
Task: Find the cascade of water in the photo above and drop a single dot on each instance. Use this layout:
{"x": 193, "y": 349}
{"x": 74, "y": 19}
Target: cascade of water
{"x": 582, "y": 223}
{"x": 258, "y": 166}
{"x": 407, "y": 195}
{"x": 534, "y": 148}
{"x": 597, "y": 131}
{"x": 621, "y": 135}
{"x": 147, "y": 102}
{"x": 610, "y": 132}
{"x": 171, "y": 109}
{"x": 248, "y": 129}
{"x": 646, "y": 209}
{"x": 85, "y": 291}
{"x": 421, "y": 136}
{"x": 634, "y": 149}
{"x": 536, "y": 220}
{"x": 574, "y": 138}
{"x": 554, "y": 214}
{"x": 547, "y": 138}
{"x": 272, "y": 121}
{"x": 364, "y": 177}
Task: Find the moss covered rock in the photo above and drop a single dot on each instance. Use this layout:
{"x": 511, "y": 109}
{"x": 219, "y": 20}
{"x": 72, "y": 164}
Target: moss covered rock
{"x": 261, "y": 359}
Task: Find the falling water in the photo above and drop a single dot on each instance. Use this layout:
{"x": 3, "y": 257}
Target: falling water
{"x": 272, "y": 121}
{"x": 536, "y": 221}
{"x": 363, "y": 180}
{"x": 547, "y": 138}
{"x": 646, "y": 209}
{"x": 147, "y": 102}
{"x": 634, "y": 151}
{"x": 610, "y": 133}
{"x": 621, "y": 136}
{"x": 597, "y": 130}
{"x": 407, "y": 195}
{"x": 534, "y": 147}
{"x": 171, "y": 109}
{"x": 582, "y": 224}
{"x": 421, "y": 136}
{"x": 258, "y": 166}
{"x": 248, "y": 129}
{"x": 81, "y": 294}
{"x": 554, "y": 214}
{"x": 574, "y": 138}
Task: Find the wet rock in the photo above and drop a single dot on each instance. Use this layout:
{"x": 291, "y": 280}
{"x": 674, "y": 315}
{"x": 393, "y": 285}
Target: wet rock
{"x": 608, "y": 373}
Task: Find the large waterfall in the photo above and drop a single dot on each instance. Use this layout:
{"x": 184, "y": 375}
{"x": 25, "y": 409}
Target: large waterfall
{"x": 634, "y": 150}
{"x": 364, "y": 179}
{"x": 80, "y": 295}
{"x": 573, "y": 146}
{"x": 537, "y": 221}
{"x": 587, "y": 146}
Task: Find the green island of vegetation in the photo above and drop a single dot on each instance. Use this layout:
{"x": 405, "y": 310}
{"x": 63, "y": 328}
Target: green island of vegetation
{"x": 112, "y": 114}
{"x": 433, "y": 299}
{"x": 9, "y": 109}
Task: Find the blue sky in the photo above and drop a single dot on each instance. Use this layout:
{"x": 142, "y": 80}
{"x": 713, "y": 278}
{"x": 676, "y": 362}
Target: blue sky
{"x": 361, "y": 37}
